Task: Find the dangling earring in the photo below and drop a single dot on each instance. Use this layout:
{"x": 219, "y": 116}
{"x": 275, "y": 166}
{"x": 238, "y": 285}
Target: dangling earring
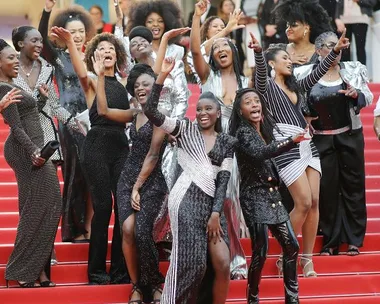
{"x": 304, "y": 33}
{"x": 319, "y": 58}
{"x": 272, "y": 72}
{"x": 262, "y": 119}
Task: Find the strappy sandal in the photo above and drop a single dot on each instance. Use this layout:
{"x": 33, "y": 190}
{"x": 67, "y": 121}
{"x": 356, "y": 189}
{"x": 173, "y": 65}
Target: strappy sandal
{"x": 329, "y": 251}
{"x": 47, "y": 283}
{"x": 28, "y": 285}
{"x": 137, "y": 289}
{"x": 353, "y": 251}
{"x": 155, "y": 289}
{"x": 280, "y": 266}
{"x": 307, "y": 258}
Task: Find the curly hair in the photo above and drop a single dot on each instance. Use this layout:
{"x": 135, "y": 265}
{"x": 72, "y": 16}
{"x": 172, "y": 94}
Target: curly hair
{"x": 121, "y": 54}
{"x": 205, "y": 27}
{"x": 19, "y": 34}
{"x": 167, "y": 9}
{"x": 138, "y": 70}
{"x": 78, "y": 13}
{"x": 306, "y": 11}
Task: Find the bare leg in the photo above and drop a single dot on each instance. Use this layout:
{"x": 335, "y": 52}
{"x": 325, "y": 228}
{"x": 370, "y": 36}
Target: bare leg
{"x": 220, "y": 259}
{"x": 89, "y": 214}
{"x": 130, "y": 252}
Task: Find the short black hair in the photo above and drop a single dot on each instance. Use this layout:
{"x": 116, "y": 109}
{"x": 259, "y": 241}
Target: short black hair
{"x": 98, "y": 7}
{"x": 19, "y": 34}
{"x": 138, "y": 70}
{"x": 211, "y": 96}
{"x": 3, "y": 44}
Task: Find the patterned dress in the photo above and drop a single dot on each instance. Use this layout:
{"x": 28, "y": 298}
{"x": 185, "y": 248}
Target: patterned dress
{"x": 38, "y": 191}
{"x": 152, "y": 195}
{"x": 72, "y": 98}
{"x": 289, "y": 118}
{"x": 199, "y": 190}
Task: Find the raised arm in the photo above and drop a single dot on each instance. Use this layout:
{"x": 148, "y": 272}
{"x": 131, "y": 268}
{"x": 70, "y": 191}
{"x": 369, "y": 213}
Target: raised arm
{"x": 310, "y": 80}
{"x": 49, "y": 52}
{"x": 87, "y": 83}
{"x": 201, "y": 66}
{"x": 149, "y": 164}
{"x": 232, "y": 25}
{"x": 261, "y": 76}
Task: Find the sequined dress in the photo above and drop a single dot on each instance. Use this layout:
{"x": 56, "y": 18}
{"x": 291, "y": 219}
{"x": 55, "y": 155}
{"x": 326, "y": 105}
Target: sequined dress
{"x": 152, "y": 195}
{"x": 39, "y": 199}
{"x": 72, "y": 98}
{"x": 199, "y": 190}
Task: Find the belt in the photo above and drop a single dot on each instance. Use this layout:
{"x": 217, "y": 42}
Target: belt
{"x": 332, "y": 132}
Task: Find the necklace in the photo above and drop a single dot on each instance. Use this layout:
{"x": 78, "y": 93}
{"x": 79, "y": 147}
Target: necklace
{"x": 31, "y": 70}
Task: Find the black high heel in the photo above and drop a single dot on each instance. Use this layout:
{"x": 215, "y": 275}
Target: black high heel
{"x": 156, "y": 288}
{"x": 137, "y": 289}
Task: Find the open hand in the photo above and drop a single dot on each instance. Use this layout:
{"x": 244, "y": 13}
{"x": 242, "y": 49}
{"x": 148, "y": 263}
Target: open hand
{"x": 167, "y": 65}
{"x": 298, "y": 59}
{"x": 62, "y": 34}
{"x": 49, "y": 4}
{"x": 200, "y": 7}
{"x": 98, "y": 63}
{"x": 254, "y": 44}
{"x": 135, "y": 199}
{"x": 343, "y": 43}
{"x": 175, "y": 32}
{"x": 304, "y": 135}
{"x": 12, "y": 96}
{"x": 233, "y": 22}
{"x": 214, "y": 230}
{"x": 350, "y": 92}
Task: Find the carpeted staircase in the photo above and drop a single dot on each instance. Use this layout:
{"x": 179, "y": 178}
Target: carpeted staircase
{"x": 341, "y": 278}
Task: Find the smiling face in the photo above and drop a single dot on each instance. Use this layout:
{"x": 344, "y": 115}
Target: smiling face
{"x": 156, "y": 24}
{"x": 108, "y": 52}
{"x": 216, "y": 26}
{"x": 297, "y": 31}
{"x": 78, "y": 31}
{"x": 251, "y": 108}
{"x": 329, "y": 43}
{"x": 222, "y": 53}
{"x": 9, "y": 63}
{"x": 143, "y": 87}
{"x": 207, "y": 113}
{"x": 282, "y": 63}
{"x": 139, "y": 47}
{"x": 32, "y": 44}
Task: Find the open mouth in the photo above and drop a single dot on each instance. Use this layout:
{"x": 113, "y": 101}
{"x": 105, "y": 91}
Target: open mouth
{"x": 256, "y": 114}
{"x": 155, "y": 31}
{"x": 108, "y": 58}
{"x": 289, "y": 67}
{"x": 15, "y": 69}
{"x": 141, "y": 95}
{"x": 204, "y": 120}
{"x": 141, "y": 48}
{"x": 223, "y": 56}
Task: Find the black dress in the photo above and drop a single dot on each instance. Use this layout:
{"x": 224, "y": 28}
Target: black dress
{"x": 39, "y": 198}
{"x": 342, "y": 205}
{"x": 199, "y": 190}
{"x": 152, "y": 195}
{"x": 105, "y": 150}
{"x": 72, "y": 98}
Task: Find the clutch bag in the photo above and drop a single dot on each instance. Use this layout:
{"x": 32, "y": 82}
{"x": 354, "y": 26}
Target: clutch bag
{"x": 83, "y": 122}
{"x": 48, "y": 150}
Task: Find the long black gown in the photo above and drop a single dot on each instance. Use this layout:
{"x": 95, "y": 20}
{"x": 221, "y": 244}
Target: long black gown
{"x": 199, "y": 190}
{"x": 72, "y": 98}
{"x": 152, "y": 195}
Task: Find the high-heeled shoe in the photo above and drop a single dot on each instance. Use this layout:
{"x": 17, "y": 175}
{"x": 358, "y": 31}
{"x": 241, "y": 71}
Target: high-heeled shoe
{"x": 280, "y": 266}
{"x": 137, "y": 289}
{"x": 24, "y": 285}
{"x": 307, "y": 258}
{"x": 155, "y": 289}
{"x": 251, "y": 298}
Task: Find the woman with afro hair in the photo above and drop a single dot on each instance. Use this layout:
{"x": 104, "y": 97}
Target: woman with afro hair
{"x": 305, "y": 21}
{"x": 76, "y": 219}
{"x": 105, "y": 148}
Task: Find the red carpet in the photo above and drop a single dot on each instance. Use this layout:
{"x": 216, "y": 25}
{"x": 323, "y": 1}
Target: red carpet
{"x": 341, "y": 279}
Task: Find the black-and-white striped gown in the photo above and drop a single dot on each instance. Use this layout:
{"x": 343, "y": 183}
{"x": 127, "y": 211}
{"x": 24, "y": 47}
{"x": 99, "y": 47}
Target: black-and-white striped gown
{"x": 289, "y": 118}
{"x": 199, "y": 190}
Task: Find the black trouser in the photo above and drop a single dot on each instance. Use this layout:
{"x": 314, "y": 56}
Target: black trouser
{"x": 104, "y": 153}
{"x": 285, "y": 236}
{"x": 360, "y": 33}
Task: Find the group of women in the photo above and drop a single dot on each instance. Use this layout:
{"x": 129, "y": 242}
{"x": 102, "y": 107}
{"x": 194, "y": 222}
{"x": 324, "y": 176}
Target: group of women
{"x": 249, "y": 136}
